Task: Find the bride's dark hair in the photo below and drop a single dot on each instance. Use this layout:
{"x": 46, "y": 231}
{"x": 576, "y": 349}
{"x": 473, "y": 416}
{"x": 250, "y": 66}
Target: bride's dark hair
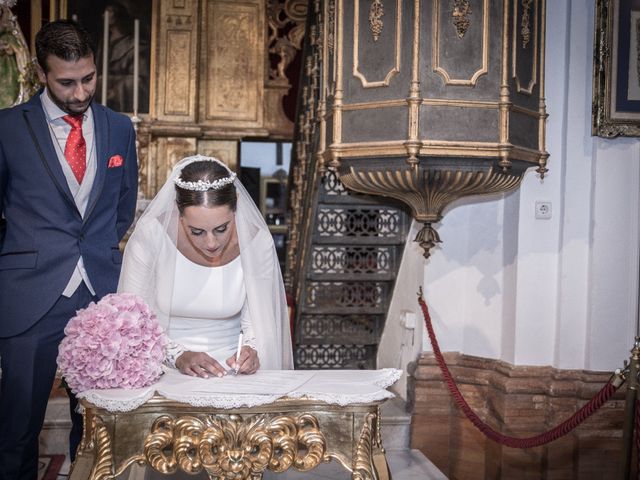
{"x": 207, "y": 171}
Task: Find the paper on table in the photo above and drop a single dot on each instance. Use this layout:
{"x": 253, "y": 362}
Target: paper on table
{"x": 263, "y": 382}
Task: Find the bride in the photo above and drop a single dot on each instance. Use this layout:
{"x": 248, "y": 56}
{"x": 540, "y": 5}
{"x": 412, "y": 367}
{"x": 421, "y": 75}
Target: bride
{"x": 203, "y": 258}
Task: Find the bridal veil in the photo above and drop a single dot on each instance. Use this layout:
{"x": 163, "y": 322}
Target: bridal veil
{"x": 152, "y": 247}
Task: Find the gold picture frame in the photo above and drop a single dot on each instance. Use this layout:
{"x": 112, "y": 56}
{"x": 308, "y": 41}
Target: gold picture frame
{"x": 616, "y": 70}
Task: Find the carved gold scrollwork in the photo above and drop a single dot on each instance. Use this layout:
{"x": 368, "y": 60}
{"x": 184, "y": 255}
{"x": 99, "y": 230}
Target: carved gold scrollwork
{"x": 234, "y": 447}
{"x": 103, "y": 466}
{"x": 311, "y": 438}
{"x": 460, "y": 14}
{"x": 376, "y": 12}
{"x": 427, "y": 191}
{"x": 158, "y": 442}
{"x": 289, "y": 18}
{"x": 363, "y": 464}
{"x": 525, "y": 23}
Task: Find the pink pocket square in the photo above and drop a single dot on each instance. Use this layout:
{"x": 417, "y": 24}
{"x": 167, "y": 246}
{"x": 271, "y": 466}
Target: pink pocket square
{"x": 115, "y": 161}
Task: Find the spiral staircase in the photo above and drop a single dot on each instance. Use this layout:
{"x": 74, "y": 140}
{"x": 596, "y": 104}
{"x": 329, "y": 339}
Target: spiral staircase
{"x": 344, "y": 248}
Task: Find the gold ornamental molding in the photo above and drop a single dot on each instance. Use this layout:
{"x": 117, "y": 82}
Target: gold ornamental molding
{"x": 526, "y": 111}
{"x": 436, "y": 102}
{"x": 525, "y": 7}
{"x": 525, "y": 28}
{"x": 234, "y": 447}
{"x": 356, "y": 49}
{"x": 460, "y": 14}
{"x": 428, "y": 147}
{"x": 430, "y": 188}
{"x": 484, "y": 68}
{"x": 376, "y": 12}
{"x": 103, "y": 468}
{"x": 362, "y": 469}
{"x": 234, "y": 70}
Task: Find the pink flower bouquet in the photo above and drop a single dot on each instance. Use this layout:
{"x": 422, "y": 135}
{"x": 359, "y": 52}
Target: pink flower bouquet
{"x": 115, "y": 343}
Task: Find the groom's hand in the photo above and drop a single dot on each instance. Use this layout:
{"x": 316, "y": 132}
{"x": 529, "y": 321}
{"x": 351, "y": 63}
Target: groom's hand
{"x": 199, "y": 364}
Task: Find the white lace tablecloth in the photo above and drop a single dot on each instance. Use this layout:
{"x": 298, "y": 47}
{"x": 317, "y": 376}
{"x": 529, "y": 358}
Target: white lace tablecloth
{"x": 340, "y": 387}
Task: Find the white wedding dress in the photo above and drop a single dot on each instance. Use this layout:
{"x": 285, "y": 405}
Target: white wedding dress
{"x": 208, "y": 318}
{"x": 203, "y": 308}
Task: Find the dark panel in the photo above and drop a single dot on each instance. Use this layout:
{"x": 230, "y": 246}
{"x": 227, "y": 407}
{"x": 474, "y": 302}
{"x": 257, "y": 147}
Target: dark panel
{"x": 374, "y": 125}
{"x": 523, "y": 130}
{"x": 459, "y": 123}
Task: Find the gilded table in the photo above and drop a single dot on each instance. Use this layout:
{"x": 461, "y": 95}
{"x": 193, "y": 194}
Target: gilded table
{"x": 232, "y": 443}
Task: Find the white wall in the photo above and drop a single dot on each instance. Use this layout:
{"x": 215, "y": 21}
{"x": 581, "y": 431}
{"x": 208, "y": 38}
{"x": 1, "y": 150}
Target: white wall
{"x": 561, "y": 291}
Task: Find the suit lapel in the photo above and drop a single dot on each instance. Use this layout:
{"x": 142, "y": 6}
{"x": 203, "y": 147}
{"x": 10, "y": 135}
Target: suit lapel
{"x": 102, "y": 132}
{"x": 39, "y": 130}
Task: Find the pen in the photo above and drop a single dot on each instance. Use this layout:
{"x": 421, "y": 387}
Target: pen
{"x": 238, "y": 353}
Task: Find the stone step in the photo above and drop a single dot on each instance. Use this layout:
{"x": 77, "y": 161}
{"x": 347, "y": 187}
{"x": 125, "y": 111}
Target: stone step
{"x": 396, "y": 425}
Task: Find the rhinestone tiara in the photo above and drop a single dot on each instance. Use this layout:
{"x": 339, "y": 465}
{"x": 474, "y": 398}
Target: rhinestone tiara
{"x": 203, "y": 185}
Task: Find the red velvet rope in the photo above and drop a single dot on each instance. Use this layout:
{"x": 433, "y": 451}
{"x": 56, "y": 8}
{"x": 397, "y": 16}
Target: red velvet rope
{"x": 565, "y": 427}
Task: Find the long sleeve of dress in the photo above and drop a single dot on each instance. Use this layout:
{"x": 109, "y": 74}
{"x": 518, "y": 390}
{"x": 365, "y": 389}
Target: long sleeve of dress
{"x": 248, "y": 335}
{"x": 138, "y": 276}
{"x": 138, "y": 266}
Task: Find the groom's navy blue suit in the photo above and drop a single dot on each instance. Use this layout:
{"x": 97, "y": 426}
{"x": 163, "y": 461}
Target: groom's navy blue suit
{"x": 42, "y": 237}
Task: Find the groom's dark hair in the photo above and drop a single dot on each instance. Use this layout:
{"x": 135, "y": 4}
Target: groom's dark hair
{"x": 65, "y": 39}
{"x": 207, "y": 171}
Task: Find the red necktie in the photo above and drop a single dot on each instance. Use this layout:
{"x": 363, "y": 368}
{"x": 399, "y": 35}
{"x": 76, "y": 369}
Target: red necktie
{"x": 75, "y": 151}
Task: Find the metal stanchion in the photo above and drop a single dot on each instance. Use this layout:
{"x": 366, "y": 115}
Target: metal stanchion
{"x": 631, "y": 374}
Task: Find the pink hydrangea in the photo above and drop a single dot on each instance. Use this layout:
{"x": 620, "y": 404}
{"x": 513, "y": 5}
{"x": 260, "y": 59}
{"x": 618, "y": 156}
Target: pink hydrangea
{"x": 115, "y": 343}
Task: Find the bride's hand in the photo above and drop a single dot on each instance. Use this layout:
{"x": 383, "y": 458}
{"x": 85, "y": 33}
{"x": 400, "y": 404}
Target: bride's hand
{"x": 248, "y": 362}
{"x": 199, "y": 364}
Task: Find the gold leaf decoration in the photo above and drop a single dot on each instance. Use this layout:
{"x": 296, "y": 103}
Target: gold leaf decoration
{"x": 525, "y": 25}
{"x": 376, "y": 12}
{"x": 460, "y": 14}
{"x": 234, "y": 447}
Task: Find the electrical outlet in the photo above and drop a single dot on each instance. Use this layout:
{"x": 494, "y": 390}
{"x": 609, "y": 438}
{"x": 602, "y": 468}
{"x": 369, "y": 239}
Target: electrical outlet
{"x": 408, "y": 320}
{"x": 543, "y": 210}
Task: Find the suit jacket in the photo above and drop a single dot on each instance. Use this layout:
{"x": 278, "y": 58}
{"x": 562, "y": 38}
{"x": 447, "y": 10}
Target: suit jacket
{"x": 43, "y": 233}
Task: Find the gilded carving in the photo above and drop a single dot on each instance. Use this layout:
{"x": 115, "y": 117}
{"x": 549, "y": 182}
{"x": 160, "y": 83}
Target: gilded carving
{"x": 376, "y": 12}
{"x": 225, "y": 150}
{"x": 179, "y": 20}
{"x": 234, "y": 74}
{"x": 525, "y": 23}
{"x": 168, "y": 151}
{"x": 103, "y": 467}
{"x": 234, "y": 446}
{"x": 527, "y": 28}
{"x": 286, "y": 31}
{"x": 460, "y": 14}
{"x": 363, "y": 465}
{"x": 427, "y": 203}
{"x": 143, "y": 139}
{"x": 177, "y": 63}
{"x": 395, "y": 67}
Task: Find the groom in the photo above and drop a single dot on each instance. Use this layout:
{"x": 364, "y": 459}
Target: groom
{"x": 68, "y": 186}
